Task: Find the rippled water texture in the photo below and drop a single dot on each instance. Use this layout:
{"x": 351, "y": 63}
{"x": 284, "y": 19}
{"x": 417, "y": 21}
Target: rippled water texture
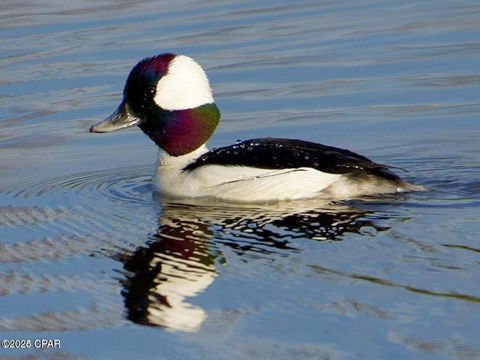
{"x": 90, "y": 256}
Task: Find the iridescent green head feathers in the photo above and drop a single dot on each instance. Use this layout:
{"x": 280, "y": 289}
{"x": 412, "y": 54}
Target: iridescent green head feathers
{"x": 169, "y": 97}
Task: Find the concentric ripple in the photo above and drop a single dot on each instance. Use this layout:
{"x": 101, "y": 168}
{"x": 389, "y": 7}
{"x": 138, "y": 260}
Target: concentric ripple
{"x": 125, "y": 184}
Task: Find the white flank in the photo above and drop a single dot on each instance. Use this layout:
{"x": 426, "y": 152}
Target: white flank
{"x": 238, "y": 183}
{"x": 185, "y": 86}
{"x": 250, "y": 184}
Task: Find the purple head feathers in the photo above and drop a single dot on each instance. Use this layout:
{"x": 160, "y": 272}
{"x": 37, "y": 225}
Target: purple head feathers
{"x": 177, "y": 131}
{"x": 144, "y": 77}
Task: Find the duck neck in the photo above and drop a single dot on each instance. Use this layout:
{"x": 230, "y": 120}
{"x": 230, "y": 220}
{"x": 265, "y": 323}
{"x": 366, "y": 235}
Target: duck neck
{"x": 180, "y": 132}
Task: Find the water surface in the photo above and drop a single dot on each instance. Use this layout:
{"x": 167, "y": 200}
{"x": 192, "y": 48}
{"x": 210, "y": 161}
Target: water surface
{"x": 91, "y": 256}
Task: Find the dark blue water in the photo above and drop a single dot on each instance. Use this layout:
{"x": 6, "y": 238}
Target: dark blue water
{"x": 91, "y": 257}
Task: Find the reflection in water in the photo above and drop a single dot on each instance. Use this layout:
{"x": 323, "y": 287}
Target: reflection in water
{"x": 175, "y": 264}
{"x": 178, "y": 262}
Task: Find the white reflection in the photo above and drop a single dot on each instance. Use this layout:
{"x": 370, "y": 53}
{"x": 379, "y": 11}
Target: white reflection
{"x": 180, "y": 279}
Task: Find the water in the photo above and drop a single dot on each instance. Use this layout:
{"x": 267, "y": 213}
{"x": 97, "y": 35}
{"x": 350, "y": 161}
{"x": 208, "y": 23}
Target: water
{"x": 90, "y": 256}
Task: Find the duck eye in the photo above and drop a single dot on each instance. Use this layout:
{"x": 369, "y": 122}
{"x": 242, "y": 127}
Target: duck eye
{"x": 150, "y": 92}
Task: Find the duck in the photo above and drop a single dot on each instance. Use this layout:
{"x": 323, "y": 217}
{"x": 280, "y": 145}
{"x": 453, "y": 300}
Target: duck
{"x": 169, "y": 97}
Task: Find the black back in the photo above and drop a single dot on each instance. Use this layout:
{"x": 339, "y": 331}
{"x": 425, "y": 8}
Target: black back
{"x": 278, "y": 153}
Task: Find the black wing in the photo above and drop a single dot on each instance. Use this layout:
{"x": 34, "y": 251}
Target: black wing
{"x": 275, "y": 153}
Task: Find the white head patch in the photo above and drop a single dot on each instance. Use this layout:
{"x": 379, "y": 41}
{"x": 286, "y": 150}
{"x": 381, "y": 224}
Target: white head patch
{"x": 185, "y": 86}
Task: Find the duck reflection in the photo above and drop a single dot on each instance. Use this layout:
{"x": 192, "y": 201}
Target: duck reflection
{"x": 180, "y": 260}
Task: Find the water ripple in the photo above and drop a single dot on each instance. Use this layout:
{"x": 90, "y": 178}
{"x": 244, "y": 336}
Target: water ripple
{"x": 60, "y": 247}
{"x": 15, "y": 282}
{"x": 14, "y": 215}
{"x": 94, "y": 316}
{"x": 379, "y": 281}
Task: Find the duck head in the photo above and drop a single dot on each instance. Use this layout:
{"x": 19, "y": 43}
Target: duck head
{"x": 169, "y": 97}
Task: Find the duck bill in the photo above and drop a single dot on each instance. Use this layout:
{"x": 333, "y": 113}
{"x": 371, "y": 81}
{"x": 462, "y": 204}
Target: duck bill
{"x": 122, "y": 118}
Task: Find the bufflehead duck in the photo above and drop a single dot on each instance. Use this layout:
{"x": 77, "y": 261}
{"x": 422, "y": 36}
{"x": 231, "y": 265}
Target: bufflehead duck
{"x": 169, "y": 97}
